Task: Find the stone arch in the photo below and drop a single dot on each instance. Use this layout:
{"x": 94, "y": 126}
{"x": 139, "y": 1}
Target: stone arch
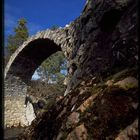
{"x": 21, "y": 66}
{"x": 30, "y": 58}
{"x": 34, "y": 51}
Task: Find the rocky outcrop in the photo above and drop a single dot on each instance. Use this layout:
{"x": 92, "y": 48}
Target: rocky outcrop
{"x": 91, "y": 111}
{"x": 131, "y": 132}
{"x": 101, "y": 100}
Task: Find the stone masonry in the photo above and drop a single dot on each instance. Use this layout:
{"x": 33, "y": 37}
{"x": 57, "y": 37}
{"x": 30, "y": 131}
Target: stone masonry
{"x": 15, "y": 111}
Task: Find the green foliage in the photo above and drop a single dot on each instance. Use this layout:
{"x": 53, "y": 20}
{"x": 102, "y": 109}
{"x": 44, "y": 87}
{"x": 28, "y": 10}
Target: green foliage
{"x": 130, "y": 86}
{"x": 52, "y": 66}
{"x": 11, "y": 44}
{"x": 54, "y": 62}
{"x": 21, "y": 34}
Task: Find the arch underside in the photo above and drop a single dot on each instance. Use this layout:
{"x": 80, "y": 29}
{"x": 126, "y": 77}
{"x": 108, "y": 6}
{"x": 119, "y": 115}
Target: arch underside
{"x": 30, "y": 58}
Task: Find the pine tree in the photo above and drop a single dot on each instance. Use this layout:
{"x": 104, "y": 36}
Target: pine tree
{"x": 21, "y": 34}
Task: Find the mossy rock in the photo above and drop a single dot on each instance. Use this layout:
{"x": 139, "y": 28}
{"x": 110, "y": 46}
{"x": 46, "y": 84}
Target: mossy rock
{"x": 49, "y": 103}
{"x": 125, "y": 73}
{"x": 128, "y": 83}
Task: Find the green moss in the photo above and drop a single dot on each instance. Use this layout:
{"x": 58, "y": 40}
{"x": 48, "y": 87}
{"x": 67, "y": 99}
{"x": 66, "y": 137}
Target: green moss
{"x": 130, "y": 86}
{"x": 64, "y": 136}
{"x": 98, "y": 88}
{"x": 123, "y": 74}
{"x": 49, "y": 103}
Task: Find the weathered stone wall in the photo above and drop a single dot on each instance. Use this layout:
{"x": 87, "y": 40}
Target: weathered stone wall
{"x": 14, "y": 114}
{"x": 14, "y": 111}
{"x": 14, "y": 86}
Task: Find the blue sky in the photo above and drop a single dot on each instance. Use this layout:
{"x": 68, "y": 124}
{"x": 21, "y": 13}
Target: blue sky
{"x": 40, "y": 14}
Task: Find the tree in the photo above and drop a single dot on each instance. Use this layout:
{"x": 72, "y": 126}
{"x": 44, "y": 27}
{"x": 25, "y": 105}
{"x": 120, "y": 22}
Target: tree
{"x": 21, "y": 34}
{"x": 51, "y": 68}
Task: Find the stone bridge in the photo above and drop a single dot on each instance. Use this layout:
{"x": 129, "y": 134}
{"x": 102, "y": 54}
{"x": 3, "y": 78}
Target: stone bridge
{"x": 29, "y": 56}
{"x": 90, "y": 42}
{"x": 26, "y": 59}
